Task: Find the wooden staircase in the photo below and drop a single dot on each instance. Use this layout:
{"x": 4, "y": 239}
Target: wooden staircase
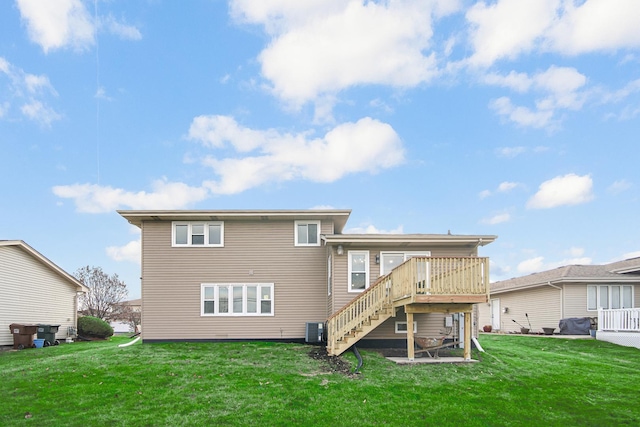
{"x": 418, "y": 282}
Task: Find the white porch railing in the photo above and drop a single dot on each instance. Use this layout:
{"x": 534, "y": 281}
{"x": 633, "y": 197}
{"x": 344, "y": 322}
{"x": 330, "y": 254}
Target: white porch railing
{"x": 619, "y": 320}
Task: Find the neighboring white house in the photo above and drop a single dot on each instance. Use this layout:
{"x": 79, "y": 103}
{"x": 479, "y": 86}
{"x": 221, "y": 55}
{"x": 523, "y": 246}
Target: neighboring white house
{"x": 126, "y": 325}
{"x": 35, "y": 290}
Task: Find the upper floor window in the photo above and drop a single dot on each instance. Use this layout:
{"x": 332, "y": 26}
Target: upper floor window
{"x": 609, "y": 296}
{"x": 358, "y": 271}
{"x": 307, "y": 233}
{"x": 192, "y": 233}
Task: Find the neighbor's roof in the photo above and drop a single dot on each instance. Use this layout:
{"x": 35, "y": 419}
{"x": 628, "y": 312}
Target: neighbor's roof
{"x": 606, "y": 273}
{"x": 409, "y": 240}
{"x": 338, "y": 216}
{"x": 44, "y": 260}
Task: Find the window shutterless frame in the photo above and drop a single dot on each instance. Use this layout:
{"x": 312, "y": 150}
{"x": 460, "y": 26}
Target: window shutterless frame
{"x": 237, "y": 299}
{"x": 306, "y": 233}
{"x": 358, "y": 271}
{"x": 609, "y": 297}
{"x": 197, "y": 234}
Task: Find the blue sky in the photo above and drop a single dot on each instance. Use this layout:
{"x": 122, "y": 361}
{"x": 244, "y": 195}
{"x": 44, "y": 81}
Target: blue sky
{"x": 515, "y": 118}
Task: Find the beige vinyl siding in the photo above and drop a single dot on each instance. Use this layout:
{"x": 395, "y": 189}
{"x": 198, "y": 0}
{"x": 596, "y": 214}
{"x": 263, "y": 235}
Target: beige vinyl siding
{"x": 253, "y": 252}
{"x": 575, "y": 301}
{"x": 32, "y": 293}
{"x": 484, "y": 312}
{"x": 542, "y": 304}
{"x": 429, "y": 325}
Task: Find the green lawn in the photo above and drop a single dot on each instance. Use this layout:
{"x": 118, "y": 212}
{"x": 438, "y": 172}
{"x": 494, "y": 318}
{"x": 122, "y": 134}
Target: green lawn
{"x": 519, "y": 381}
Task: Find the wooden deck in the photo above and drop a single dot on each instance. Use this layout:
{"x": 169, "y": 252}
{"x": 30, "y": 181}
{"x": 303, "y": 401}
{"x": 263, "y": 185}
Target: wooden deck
{"x": 420, "y": 285}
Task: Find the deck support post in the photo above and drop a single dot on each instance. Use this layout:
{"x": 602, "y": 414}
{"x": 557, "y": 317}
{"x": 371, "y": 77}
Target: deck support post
{"x": 410, "y": 340}
{"x": 467, "y": 336}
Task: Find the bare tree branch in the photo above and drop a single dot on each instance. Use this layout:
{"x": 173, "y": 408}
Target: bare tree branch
{"x": 104, "y": 292}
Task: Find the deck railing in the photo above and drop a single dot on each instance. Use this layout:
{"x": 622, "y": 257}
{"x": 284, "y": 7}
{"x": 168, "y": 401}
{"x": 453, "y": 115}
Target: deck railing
{"x": 441, "y": 276}
{"x": 417, "y": 276}
{"x": 619, "y": 320}
{"x": 360, "y": 310}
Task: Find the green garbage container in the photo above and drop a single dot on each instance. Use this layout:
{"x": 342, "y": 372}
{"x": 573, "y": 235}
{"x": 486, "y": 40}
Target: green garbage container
{"x": 48, "y": 333}
{"x": 22, "y": 335}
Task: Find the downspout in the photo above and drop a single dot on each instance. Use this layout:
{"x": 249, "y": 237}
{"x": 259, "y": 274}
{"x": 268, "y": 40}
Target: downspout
{"x": 561, "y": 298}
{"x": 357, "y": 354}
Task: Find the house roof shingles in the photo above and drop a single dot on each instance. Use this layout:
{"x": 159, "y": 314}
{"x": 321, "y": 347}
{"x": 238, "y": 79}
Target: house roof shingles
{"x": 621, "y": 271}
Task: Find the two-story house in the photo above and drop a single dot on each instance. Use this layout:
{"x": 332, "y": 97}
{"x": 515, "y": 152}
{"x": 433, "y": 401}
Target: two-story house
{"x": 264, "y": 274}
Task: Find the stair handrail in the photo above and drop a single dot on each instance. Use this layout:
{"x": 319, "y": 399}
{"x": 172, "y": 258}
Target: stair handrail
{"x": 359, "y": 310}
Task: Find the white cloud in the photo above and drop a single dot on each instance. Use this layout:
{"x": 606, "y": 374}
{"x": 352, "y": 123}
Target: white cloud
{"x": 537, "y": 264}
{"x": 4, "y": 107}
{"x": 519, "y": 82}
{"x": 92, "y": 198}
{"x": 575, "y": 251}
{"x": 497, "y": 219}
{"x": 522, "y": 116}
{"x": 506, "y": 29}
{"x": 30, "y": 91}
{"x": 503, "y": 187}
{"x": 507, "y": 186}
{"x": 39, "y": 112}
{"x": 36, "y": 84}
{"x": 619, "y": 186}
{"x": 371, "y": 229}
{"x": 570, "y": 189}
{"x": 630, "y": 255}
{"x": 595, "y": 25}
{"x": 130, "y": 252}
{"x": 510, "y": 151}
{"x": 124, "y": 31}
{"x": 55, "y": 24}
{"x": 271, "y": 156}
{"x": 484, "y": 194}
{"x": 531, "y": 265}
{"x": 58, "y": 24}
{"x": 319, "y": 48}
{"x": 556, "y": 88}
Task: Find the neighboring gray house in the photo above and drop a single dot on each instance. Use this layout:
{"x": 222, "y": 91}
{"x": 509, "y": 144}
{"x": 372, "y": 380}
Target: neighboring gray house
{"x": 265, "y": 274}
{"x": 564, "y": 292}
{"x": 34, "y": 290}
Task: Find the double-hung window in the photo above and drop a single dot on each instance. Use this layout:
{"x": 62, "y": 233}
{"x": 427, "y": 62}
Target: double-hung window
{"x": 195, "y": 233}
{"x": 358, "y": 271}
{"x": 237, "y": 299}
{"x": 609, "y": 296}
{"x": 307, "y": 233}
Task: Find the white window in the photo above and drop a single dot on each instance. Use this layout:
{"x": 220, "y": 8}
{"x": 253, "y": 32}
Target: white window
{"x": 191, "y": 233}
{"x": 307, "y": 233}
{"x": 358, "y": 271}
{"x": 237, "y": 299}
{"x": 390, "y": 260}
{"x": 609, "y": 296}
{"x": 401, "y": 327}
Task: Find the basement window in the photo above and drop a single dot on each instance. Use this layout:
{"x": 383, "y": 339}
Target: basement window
{"x": 401, "y": 327}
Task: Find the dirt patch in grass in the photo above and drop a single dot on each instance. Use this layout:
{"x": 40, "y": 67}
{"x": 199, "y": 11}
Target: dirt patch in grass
{"x": 333, "y": 364}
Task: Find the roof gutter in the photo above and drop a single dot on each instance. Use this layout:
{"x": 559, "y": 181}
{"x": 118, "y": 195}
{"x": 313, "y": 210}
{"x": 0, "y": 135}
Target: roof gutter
{"x": 554, "y": 286}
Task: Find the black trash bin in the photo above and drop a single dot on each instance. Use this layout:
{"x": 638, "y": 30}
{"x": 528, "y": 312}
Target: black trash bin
{"x": 23, "y": 335}
{"x": 48, "y": 333}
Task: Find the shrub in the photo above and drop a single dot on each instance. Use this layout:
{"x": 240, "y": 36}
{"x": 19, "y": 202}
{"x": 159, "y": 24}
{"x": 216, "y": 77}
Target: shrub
{"x": 90, "y": 326}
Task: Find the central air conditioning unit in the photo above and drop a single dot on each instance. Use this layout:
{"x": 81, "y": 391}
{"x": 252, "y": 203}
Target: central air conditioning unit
{"x": 314, "y": 332}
